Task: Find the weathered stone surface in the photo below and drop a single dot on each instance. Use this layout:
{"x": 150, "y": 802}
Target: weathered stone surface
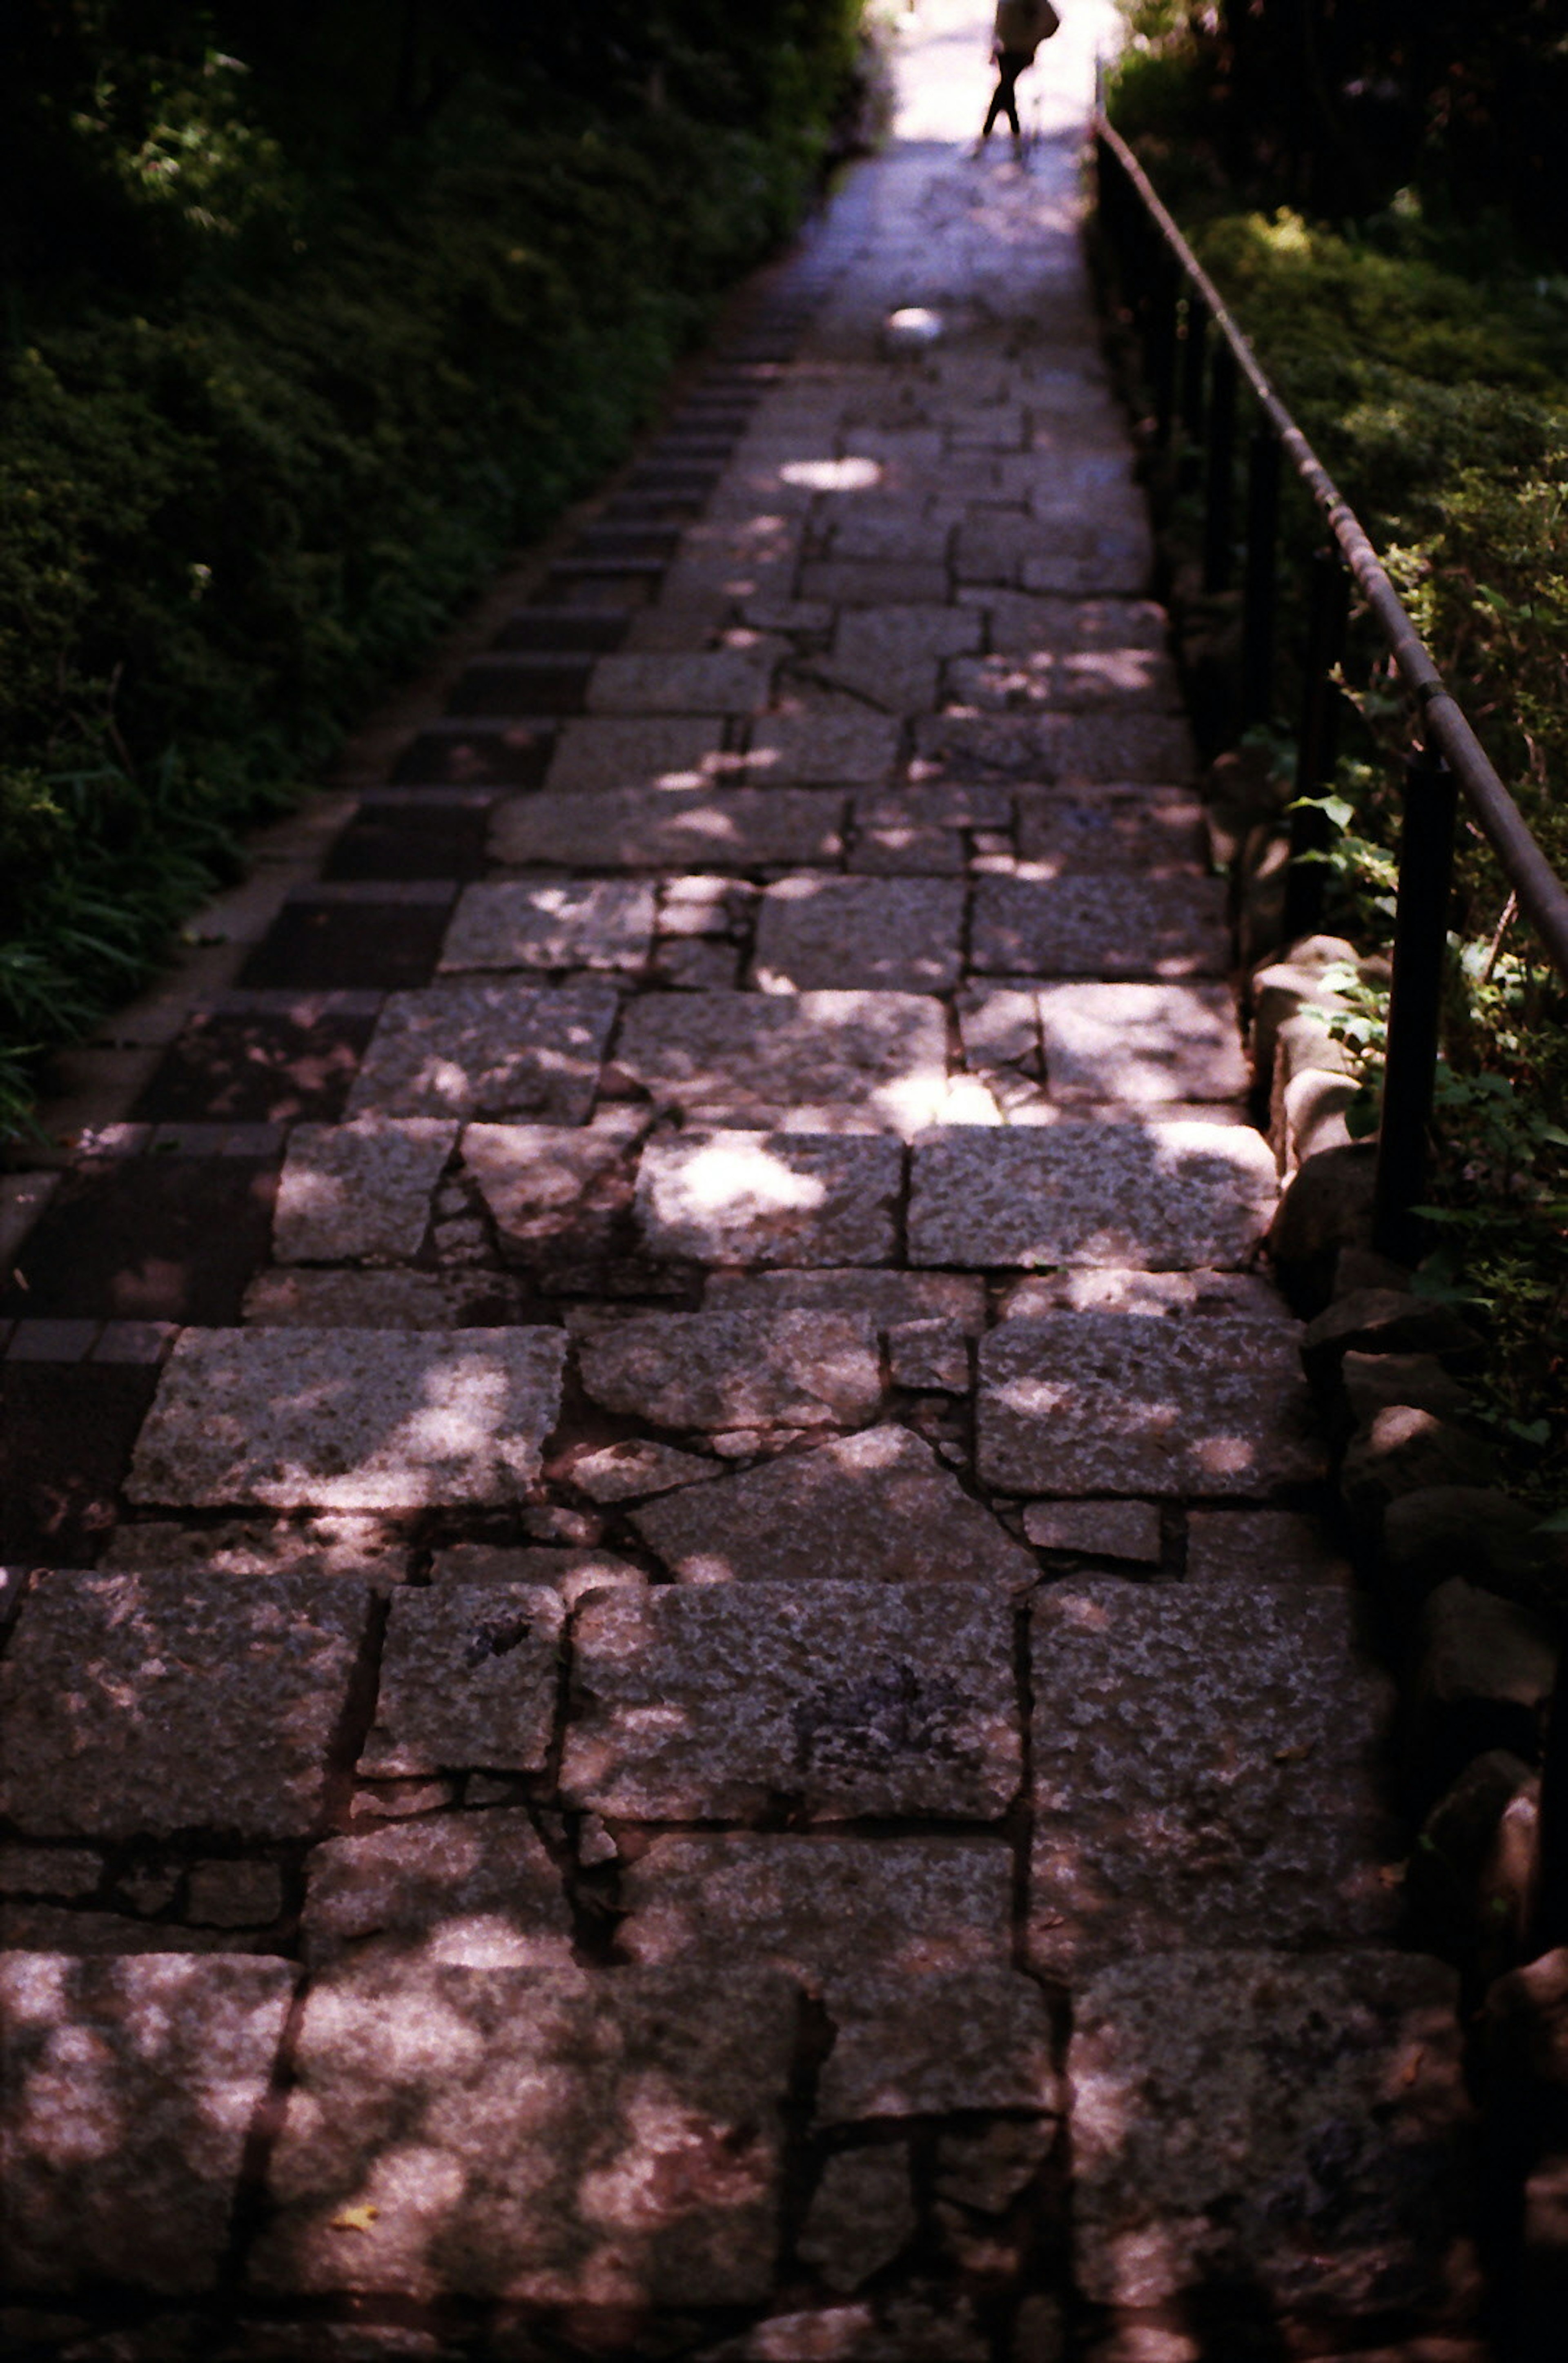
{"x": 235, "y": 1894}
{"x": 1153, "y": 834}
{"x": 116, "y": 1688}
{"x": 349, "y": 1419}
{"x": 874, "y": 934}
{"x": 872, "y": 583}
{"x": 885, "y": 1298}
{"x": 822, "y": 748}
{"x": 94, "y": 1935}
{"x": 906, "y": 2327}
{"x": 1268, "y": 1543}
{"x": 987, "y": 2171}
{"x": 574, "y": 1573}
{"x": 929, "y": 1355}
{"x": 1473, "y": 1874}
{"x": 891, "y": 655}
{"x": 468, "y": 1048}
{"x": 467, "y": 1677}
{"x": 941, "y": 803}
{"x": 48, "y": 1870}
{"x": 861, "y": 2217}
{"x": 1018, "y": 621}
{"x": 610, "y": 753}
{"x": 631, "y": 1472}
{"x": 130, "y": 2088}
{"x": 359, "y": 1190}
{"x": 334, "y": 1542}
{"x": 661, "y": 828}
{"x": 1141, "y": 1044}
{"x": 1403, "y": 1449}
{"x": 506, "y": 2133}
{"x": 1169, "y": 1192}
{"x": 1484, "y": 1675}
{"x": 1385, "y": 1321}
{"x": 1169, "y": 1293}
{"x": 1094, "y": 927}
{"x": 1206, "y": 1769}
{"x": 827, "y": 1909}
{"x": 1294, "y": 2128}
{"x": 550, "y": 923}
{"x": 736, "y": 1369}
{"x": 554, "y": 1191}
{"x": 705, "y": 1703}
{"x": 1128, "y": 1530}
{"x": 975, "y": 2038}
{"x": 770, "y": 1198}
{"x": 722, "y": 681}
{"x": 1059, "y": 748}
{"x": 1487, "y": 1536}
{"x": 476, "y": 1888}
{"x": 1326, "y": 1206}
{"x": 303, "y": 1299}
{"x": 808, "y": 1061}
{"x": 1368, "y": 1382}
{"x": 877, "y": 1506}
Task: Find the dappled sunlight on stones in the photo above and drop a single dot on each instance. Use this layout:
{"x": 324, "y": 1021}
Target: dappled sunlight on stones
{"x": 652, "y": 829}
{"x": 574, "y": 1573}
{"x": 627, "y": 754}
{"x": 467, "y": 1677}
{"x": 810, "y": 1061}
{"x": 1141, "y": 1043}
{"x": 718, "y": 1370}
{"x": 506, "y": 923}
{"x": 975, "y": 2038}
{"x": 477, "y": 1889}
{"x": 553, "y": 1192}
{"x": 1090, "y": 926}
{"x": 770, "y": 1198}
{"x": 470, "y": 1048}
{"x": 359, "y": 1190}
{"x": 892, "y": 934}
{"x": 330, "y": 1542}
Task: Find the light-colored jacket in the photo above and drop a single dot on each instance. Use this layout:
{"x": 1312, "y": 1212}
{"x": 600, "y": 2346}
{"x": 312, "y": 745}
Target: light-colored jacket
{"x": 1022, "y": 25}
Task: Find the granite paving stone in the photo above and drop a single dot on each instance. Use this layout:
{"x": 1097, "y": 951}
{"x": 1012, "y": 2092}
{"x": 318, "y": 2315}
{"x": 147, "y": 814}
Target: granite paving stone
{"x": 550, "y": 923}
{"x": 861, "y": 2217}
{"x": 1170, "y": 1293}
{"x": 822, "y": 750}
{"x": 987, "y": 2171}
{"x": 1061, "y": 749}
{"x": 885, "y": 1298}
{"x": 972, "y": 2038}
{"x": 305, "y": 1299}
{"x": 770, "y": 1198}
{"x": 327, "y": 1543}
{"x": 1154, "y": 833}
{"x": 476, "y": 1888}
{"x": 1017, "y": 622}
{"x": 1296, "y": 2128}
{"x": 1163, "y": 1191}
{"x": 891, "y": 655}
{"x": 634, "y": 1471}
{"x": 508, "y": 2133}
{"x": 116, "y": 1686}
{"x": 553, "y": 1192}
{"x": 492, "y": 1048}
{"x": 1098, "y": 927}
{"x": 718, "y": 1370}
{"x": 1206, "y": 1770}
{"x": 1131, "y": 680}
{"x": 613, "y": 751}
{"x": 878, "y": 1505}
{"x": 1143, "y": 1044}
{"x": 652, "y": 828}
{"x": 725, "y": 681}
{"x": 1125, "y": 1402}
{"x": 938, "y": 803}
{"x": 1126, "y": 1530}
{"x": 131, "y": 2088}
{"x": 709, "y": 1702}
{"x": 360, "y": 1191}
{"x": 295, "y": 1419}
{"x": 467, "y": 1677}
{"x": 1264, "y": 1542}
{"x": 816, "y": 1061}
{"x": 893, "y": 934}
{"x": 931, "y": 1355}
{"x": 873, "y": 581}
{"x": 574, "y": 1573}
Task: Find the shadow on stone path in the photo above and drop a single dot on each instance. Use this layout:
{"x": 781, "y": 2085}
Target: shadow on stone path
{"x": 684, "y": 1695}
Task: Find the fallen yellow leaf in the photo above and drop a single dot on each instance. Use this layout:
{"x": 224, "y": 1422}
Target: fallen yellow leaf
{"x": 355, "y": 2219}
{"x": 1293, "y": 1755}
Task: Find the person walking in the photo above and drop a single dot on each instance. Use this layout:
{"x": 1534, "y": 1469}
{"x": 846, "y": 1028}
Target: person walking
{"x": 1020, "y": 28}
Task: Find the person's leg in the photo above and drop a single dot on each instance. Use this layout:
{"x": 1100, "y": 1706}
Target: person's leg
{"x": 1010, "y": 65}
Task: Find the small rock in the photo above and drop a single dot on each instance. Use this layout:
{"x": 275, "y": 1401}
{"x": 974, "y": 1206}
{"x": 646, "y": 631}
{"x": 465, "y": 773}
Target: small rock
{"x": 987, "y": 2171}
{"x": 631, "y": 1471}
{"x": 1485, "y": 1673}
{"x": 594, "y": 1844}
{"x": 1494, "y": 1540}
{"x": 1126, "y": 1530}
{"x": 1403, "y": 1450}
{"x": 1327, "y": 1205}
{"x": 862, "y": 2217}
{"x": 548, "y": 1521}
{"x": 1372, "y": 1382}
{"x": 930, "y": 1354}
{"x": 399, "y": 1800}
{"x": 1385, "y": 1322}
{"x": 1471, "y": 1875}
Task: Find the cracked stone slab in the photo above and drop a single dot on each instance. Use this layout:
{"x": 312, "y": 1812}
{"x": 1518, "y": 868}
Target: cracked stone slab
{"x": 504, "y": 2133}
{"x": 706, "y": 1702}
{"x": 1206, "y": 1770}
{"x": 724, "y": 680}
{"x": 808, "y": 1061}
{"x": 822, "y": 750}
{"x": 718, "y": 1371}
{"x": 365, "y": 1419}
{"x": 633, "y": 1471}
{"x": 885, "y": 1298}
{"x": 1157, "y": 836}
{"x": 1132, "y": 679}
{"x": 467, "y": 1677}
{"x": 1165, "y": 1192}
{"x": 770, "y": 1198}
{"x": 878, "y": 1505}
{"x": 116, "y": 1688}
{"x": 359, "y": 1190}
{"x": 652, "y": 828}
{"x": 889, "y": 934}
{"x": 1099, "y": 926}
{"x": 1124, "y": 1402}
{"x": 861, "y": 2217}
{"x": 464, "y": 1046}
{"x": 610, "y": 752}
{"x": 1060, "y": 750}
{"x": 129, "y": 2091}
{"x": 891, "y": 655}
{"x": 1141, "y": 1044}
{"x": 474, "y": 1887}
{"x": 554, "y": 1191}
{"x": 550, "y": 923}
{"x": 1298, "y": 2128}
{"x": 965, "y": 2039}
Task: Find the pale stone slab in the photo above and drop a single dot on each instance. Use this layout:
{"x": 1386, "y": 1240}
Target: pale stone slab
{"x": 725, "y": 681}
{"x": 366, "y": 1419}
{"x": 1240, "y": 1293}
{"x": 770, "y": 1198}
{"x": 1206, "y": 1770}
{"x": 822, "y": 750}
{"x": 474, "y": 1887}
{"x": 892, "y": 934}
{"x": 471, "y": 1048}
{"x": 572, "y": 1572}
{"x": 891, "y": 655}
{"x": 718, "y": 1370}
{"x": 811, "y": 1061}
{"x": 1120, "y": 1403}
{"x": 359, "y": 1190}
{"x": 1099, "y": 926}
{"x": 1272, "y": 1543}
{"x": 550, "y": 923}
{"x": 117, "y": 1691}
{"x": 707, "y": 1702}
{"x": 968, "y": 2039}
{"x": 874, "y": 1506}
{"x": 1296, "y": 2128}
{"x": 861, "y": 2217}
{"x": 652, "y": 828}
{"x": 1128, "y": 1530}
{"x": 553, "y": 1191}
{"x": 504, "y": 2133}
{"x": 467, "y": 1677}
{"x": 1152, "y": 834}
{"x": 1170, "y": 1191}
{"x": 1141, "y": 1044}
{"x": 885, "y": 1298}
{"x": 616, "y": 752}
{"x": 332, "y": 1543}
{"x": 631, "y": 1472}
{"x": 129, "y": 2091}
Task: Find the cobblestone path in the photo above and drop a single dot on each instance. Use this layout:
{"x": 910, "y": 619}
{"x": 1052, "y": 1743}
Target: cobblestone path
{"x": 687, "y": 1700}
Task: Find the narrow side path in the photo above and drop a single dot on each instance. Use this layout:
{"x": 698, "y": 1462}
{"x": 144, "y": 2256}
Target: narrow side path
{"x": 677, "y": 1689}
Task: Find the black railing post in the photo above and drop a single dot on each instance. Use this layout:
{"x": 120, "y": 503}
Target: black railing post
{"x": 1260, "y": 590}
{"x": 1328, "y": 613}
{"x": 1219, "y": 488}
{"x": 1190, "y": 401}
{"x": 1414, "y": 1007}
